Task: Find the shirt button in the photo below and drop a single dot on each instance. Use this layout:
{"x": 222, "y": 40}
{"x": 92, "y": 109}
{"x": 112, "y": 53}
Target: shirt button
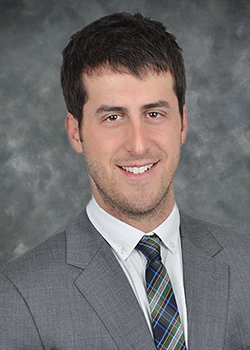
{"x": 124, "y": 251}
{"x": 172, "y": 245}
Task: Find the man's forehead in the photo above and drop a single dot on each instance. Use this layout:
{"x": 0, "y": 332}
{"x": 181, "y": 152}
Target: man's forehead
{"x": 112, "y": 91}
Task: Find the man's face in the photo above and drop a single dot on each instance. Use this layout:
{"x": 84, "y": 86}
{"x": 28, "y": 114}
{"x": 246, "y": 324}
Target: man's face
{"x": 131, "y": 136}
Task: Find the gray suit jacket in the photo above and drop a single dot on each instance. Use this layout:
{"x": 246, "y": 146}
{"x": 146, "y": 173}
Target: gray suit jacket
{"x": 71, "y": 293}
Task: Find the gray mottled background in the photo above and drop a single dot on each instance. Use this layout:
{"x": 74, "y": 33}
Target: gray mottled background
{"x": 44, "y": 184}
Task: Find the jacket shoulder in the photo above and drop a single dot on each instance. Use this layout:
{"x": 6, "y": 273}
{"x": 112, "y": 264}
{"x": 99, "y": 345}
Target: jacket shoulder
{"x": 49, "y": 254}
{"x": 216, "y": 240}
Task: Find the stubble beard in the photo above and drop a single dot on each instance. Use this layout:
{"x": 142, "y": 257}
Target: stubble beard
{"x": 139, "y": 207}
{"x": 136, "y": 209}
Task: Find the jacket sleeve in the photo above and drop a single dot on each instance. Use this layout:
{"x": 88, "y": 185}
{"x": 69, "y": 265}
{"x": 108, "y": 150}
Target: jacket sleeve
{"x": 18, "y": 330}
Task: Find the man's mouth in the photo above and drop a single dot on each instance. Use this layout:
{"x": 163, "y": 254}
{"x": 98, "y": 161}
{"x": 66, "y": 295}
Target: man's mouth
{"x": 136, "y": 170}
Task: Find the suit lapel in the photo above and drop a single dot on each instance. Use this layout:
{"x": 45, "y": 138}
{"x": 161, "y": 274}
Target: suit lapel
{"x": 104, "y": 285}
{"x": 206, "y": 282}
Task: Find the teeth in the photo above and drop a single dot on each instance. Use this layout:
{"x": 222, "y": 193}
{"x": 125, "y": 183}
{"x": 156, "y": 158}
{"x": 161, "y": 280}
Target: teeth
{"x": 136, "y": 170}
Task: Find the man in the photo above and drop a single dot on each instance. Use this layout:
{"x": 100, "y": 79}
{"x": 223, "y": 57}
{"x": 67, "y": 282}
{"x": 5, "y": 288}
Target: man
{"x": 90, "y": 285}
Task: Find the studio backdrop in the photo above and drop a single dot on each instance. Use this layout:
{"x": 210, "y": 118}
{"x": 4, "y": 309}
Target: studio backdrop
{"x": 44, "y": 183}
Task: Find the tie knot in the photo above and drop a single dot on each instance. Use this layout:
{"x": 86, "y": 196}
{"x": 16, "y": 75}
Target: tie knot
{"x": 150, "y": 248}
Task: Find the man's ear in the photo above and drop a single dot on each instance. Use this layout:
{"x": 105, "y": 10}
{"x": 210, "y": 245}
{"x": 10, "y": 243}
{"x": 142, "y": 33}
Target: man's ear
{"x": 184, "y": 125}
{"x": 73, "y": 132}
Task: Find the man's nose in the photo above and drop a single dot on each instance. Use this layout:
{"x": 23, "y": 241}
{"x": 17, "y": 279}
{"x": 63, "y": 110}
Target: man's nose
{"x": 138, "y": 138}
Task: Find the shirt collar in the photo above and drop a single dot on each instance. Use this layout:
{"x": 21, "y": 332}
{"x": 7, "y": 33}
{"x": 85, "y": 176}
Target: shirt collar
{"x": 123, "y": 238}
{"x": 169, "y": 231}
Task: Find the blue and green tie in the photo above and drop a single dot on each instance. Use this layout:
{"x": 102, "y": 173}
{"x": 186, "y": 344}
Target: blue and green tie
{"x": 166, "y": 322}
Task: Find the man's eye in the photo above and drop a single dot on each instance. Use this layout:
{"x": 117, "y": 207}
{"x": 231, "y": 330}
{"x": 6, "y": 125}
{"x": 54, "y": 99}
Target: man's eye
{"x": 153, "y": 114}
{"x": 113, "y": 117}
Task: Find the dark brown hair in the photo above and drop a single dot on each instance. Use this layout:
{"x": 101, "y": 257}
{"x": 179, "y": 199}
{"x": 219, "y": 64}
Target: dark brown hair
{"x": 121, "y": 42}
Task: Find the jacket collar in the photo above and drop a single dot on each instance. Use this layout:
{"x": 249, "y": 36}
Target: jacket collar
{"x": 104, "y": 285}
{"x": 206, "y": 283}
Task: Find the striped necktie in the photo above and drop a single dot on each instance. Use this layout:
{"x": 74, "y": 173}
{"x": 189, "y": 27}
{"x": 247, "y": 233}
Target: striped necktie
{"x": 166, "y": 322}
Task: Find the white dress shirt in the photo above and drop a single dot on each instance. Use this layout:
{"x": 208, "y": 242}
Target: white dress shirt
{"x": 123, "y": 239}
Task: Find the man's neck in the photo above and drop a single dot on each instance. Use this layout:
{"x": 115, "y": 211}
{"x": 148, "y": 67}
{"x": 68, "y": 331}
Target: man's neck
{"x": 145, "y": 222}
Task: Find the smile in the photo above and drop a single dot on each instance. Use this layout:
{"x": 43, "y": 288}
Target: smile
{"x": 136, "y": 170}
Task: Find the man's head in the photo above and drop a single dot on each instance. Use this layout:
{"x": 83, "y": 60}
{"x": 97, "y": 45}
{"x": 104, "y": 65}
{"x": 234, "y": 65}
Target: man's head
{"x": 120, "y": 42}
{"x": 124, "y": 75}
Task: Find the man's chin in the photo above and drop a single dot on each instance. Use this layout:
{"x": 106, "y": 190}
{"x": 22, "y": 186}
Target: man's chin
{"x": 136, "y": 204}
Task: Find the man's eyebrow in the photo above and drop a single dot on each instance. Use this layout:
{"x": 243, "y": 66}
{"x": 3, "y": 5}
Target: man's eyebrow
{"x": 156, "y": 105}
{"x": 108, "y": 108}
